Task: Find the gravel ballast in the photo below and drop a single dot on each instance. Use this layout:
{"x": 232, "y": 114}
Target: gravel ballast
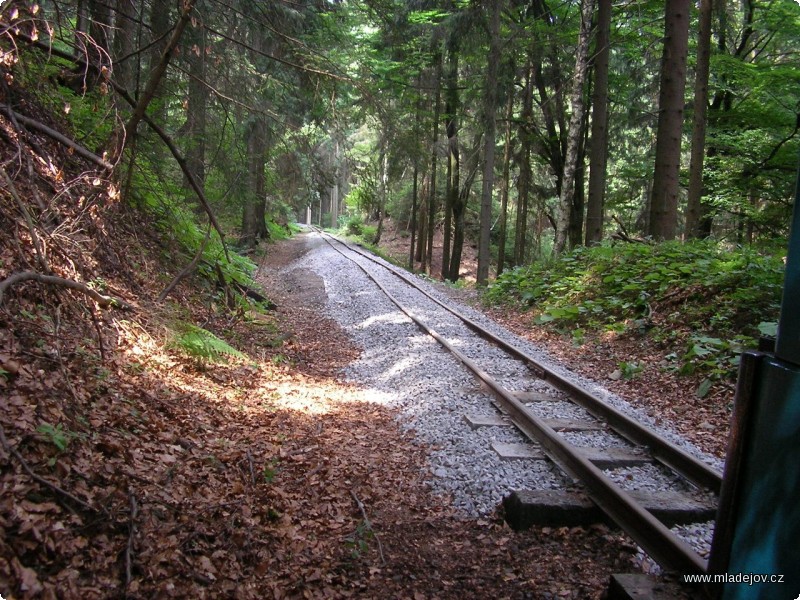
{"x": 407, "y": 370}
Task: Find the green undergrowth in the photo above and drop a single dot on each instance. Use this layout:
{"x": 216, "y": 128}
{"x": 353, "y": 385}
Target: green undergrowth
{"x": 356, "y": 230}
{"x": 703, "y": 301}
{"x": 172, "y": 217}
{"x": 202, "y": 345}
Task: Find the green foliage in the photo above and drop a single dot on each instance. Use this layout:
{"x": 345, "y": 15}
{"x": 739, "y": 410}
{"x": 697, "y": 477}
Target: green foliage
{"x": 629, "y": 370}
{"x": 58, "y": 436}
{"x": 364, "y": 196}
{"x": 354, "y": 225}
{"x": 173, "y": 218}
{"x": 278, "y": 232}
{"x": 202, "y": 345}
{"x": 270, "y": 470}
{"x": 712, "y": 299}
{"x": 358, "y": 541}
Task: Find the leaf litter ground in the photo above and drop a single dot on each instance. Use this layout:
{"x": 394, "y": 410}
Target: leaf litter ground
{"x": 159, "y": 477}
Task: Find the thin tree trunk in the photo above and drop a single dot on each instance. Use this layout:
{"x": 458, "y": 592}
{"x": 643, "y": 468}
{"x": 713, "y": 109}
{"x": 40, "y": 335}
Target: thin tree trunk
{"x": 448, "y": 219}
{"x": 154, "y": 80}
{"x": 434, "y": 156}
{"x": 489, "y": 126}
{"x": 523, "y": 193}
{"x": 422, "y": 241}
{"x": 453, "y": 161}
{"x": 599, "y": 146}
{"x": 666, "y": 185}
{"x": 413, "y": 226}
{"x": 383, "y": 191}
{"x": 694, "y": 208}
{"x": 566, "y": 200}
{"x": 501, "y": 244}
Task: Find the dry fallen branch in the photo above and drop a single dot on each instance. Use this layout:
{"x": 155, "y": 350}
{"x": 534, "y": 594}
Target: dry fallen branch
{"x": 369, "y": 525}
{"x": 28, "y": 220}
{"x": 13, "y": 451}
{"x": 131, "y": 533}
{"x": 189, "y": 268}
{"x": 102, "y": 301}
{"x": 623, "y": 234}
{"x": 250, "y": 464}
{"x": 62, "y": 139}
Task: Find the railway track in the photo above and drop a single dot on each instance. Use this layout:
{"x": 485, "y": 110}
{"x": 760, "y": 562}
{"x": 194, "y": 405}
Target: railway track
{"x": 593, "y": 468}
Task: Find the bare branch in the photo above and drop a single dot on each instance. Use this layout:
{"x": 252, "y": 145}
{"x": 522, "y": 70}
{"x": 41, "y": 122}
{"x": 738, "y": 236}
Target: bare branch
{"x": 368, "y": 524}
{"x": 28, "y": 219}
{"x": 189, "y": 268}
{"x": 52, "y": 133}
{"x": 182, "y": 163}
{"x": 102, "y": 301}
{"x": 157, "y": 73}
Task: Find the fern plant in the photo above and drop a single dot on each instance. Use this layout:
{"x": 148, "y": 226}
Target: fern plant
{"x": 202, "y": 345}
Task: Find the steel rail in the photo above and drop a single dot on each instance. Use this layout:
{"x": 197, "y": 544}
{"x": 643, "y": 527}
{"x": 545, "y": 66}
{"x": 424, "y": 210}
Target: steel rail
{"x": 667, "y": 549}
{"x": 677, "y": 459}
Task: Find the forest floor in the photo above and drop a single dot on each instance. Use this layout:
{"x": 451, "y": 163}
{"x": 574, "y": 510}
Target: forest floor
{"x": 129, "y": 469}
{"x": 133, "y": 472}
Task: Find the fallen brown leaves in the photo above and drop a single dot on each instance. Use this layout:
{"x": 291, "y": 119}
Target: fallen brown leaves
{"x": 129, "y": 471}
{"x": 261, "y": 479}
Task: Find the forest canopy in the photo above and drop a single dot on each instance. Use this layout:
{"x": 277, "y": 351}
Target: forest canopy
{"x": 528, "y": 127}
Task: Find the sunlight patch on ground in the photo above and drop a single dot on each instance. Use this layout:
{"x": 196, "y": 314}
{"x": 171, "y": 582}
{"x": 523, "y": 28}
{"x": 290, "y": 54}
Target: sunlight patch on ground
{"x": 393, "y": 318}
{"x": 404, "y": 364}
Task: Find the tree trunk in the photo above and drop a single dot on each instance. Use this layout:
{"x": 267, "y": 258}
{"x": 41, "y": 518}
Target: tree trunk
{"x": 453, "y": 160}
{"x": 413, "y": 226}
{"x": 432, "y": 205}
{"x": 101, "y": 31}
{"x": 567, "y": 199}
{"x": 579, "y": 197}
{"x": 524, "y": 187}
{"x": 194, "y": 128}
{"x": 599, "y": 145}
{"x": 694, "y": 209}
{"x": 415, "y": 189}
{"x": 422, "y": 240}
{"x": 124, "y": 43}
{"x": 253, "y": 217}
{"x": 489, "y": 126}
{"x": 501, "y": 244}
{"x": 383, "y": 191}
{"x": 153, "y": 83}
{"x": 460, "y": 208}
{"x": 666, "y": 185}
{"x": 554, "y": 141}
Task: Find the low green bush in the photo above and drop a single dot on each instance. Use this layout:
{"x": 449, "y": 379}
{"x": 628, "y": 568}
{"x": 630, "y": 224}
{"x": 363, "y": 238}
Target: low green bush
{"x": 714, "y": 300}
